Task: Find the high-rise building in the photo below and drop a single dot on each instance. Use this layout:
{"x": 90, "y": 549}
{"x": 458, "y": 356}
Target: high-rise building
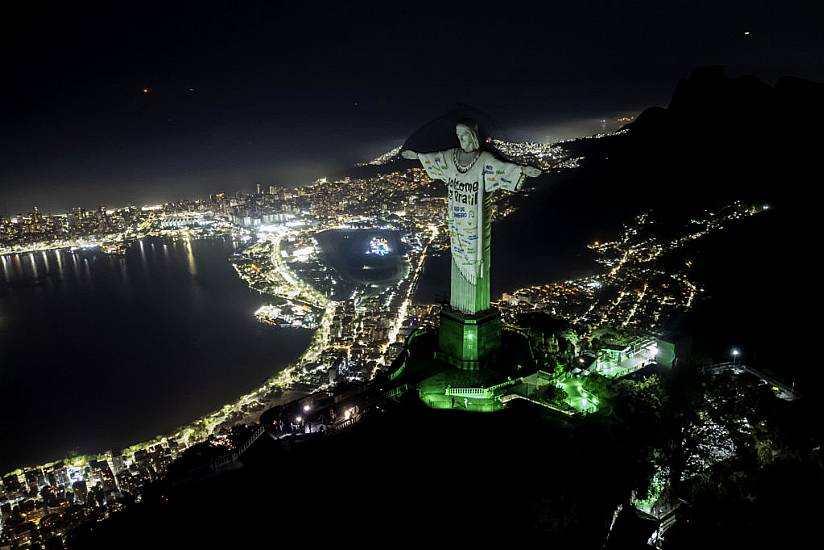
{"x": 11, "y": 484}
{"x": 80, "y": 490}
{"x": 76, "y": 217}
{"x": 35, "y": 479}
{"x": 118, "y": 463}
{"x": 63, "y": 477}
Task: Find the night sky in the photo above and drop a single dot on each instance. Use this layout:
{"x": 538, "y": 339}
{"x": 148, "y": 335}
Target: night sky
{"x": 283, "y": 93}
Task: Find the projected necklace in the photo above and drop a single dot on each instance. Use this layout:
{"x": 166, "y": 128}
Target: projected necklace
{"x": 461, "y": 168}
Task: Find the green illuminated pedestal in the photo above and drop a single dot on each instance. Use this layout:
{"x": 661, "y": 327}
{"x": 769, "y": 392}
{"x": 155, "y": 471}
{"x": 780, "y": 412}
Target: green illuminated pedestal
{"x": 465, "y": 341}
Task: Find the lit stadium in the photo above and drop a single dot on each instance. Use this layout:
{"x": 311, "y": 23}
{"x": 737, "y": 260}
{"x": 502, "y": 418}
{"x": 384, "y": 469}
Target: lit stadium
{"x": 379, "y": 246}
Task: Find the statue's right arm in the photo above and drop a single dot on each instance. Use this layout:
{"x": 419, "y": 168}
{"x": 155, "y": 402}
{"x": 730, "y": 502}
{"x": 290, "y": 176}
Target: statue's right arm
{"x": 409, "y": 154}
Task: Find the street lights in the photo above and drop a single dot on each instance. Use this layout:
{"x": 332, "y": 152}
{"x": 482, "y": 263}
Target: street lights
{"x": 735, "y": 353}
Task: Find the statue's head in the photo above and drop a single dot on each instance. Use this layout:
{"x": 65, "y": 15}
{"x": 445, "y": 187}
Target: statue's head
{"x": 467, "y": 131}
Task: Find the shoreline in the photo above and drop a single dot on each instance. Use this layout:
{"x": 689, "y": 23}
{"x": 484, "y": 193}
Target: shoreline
{"x": 247, "y": 408}
{"x": 200, "y": 428}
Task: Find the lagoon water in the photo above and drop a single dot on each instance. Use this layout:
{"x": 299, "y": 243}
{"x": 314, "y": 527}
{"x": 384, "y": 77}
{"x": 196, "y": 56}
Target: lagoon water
{"x": 100, "y": 351}
{"x": 346, "y": 251}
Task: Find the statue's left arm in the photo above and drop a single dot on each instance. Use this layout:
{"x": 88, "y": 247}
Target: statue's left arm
{"x": 501, "y": 174}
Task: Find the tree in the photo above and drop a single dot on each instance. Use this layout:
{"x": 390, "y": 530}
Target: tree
{"x": 598, "y": 385}
{"x": 551, "y": 393}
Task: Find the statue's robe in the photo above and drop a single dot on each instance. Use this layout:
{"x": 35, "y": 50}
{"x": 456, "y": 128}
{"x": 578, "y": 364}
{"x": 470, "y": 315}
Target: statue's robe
{"x": 468, "y": 220}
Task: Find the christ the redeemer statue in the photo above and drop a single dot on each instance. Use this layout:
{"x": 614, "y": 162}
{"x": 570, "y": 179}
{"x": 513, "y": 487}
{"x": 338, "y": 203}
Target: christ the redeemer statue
{"x": 472, "y": 175}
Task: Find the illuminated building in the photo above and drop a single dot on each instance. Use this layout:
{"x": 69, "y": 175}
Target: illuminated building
{"x": 379, "y": 247}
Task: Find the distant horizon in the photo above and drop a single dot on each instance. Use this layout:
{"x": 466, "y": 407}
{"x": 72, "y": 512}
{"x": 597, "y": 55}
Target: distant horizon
{"x": 559, "y": 129}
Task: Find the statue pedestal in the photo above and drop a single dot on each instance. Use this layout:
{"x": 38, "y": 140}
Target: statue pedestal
{"x": 447, "y": 368}
{"x": 466, "y": 341}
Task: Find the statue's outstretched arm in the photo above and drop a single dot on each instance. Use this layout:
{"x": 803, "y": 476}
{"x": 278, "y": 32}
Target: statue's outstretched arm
{"x": 526, "y": 169}
{"x": 530, "y": 171}
{"x": 409, "y": 154}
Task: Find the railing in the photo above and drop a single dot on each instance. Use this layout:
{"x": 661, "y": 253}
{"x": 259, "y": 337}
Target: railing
{"x": 487, "y": 393}
{"x": 397, "y": 391}
{"x": 228, "y": 458}
{"x": 505, "y": 384}
{"x": 345, "y": 424}
{"x": 222, "y": 461}
{"x": 248, "y": 443}
{"x": 469, "y": 392}
{"x": 512, "y": 396}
